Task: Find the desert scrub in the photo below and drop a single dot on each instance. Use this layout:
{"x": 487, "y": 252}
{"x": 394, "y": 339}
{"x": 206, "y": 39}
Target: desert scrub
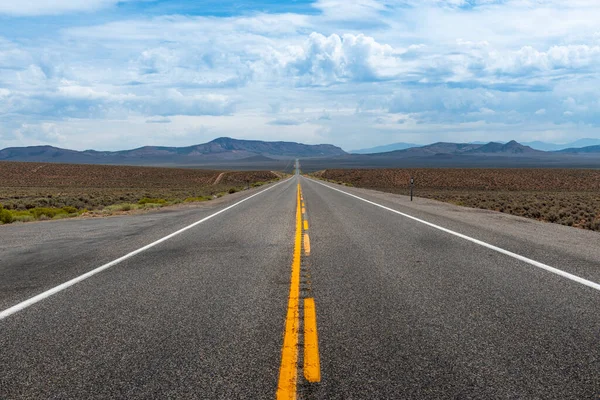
{"x": 122, "y": 207}
{"x": 37, "y": 214}
{"x": 568, "y": 197}
{"x": 48, "y": 212}
{"x": 23, "y": 217}
{"x": 197, "y": 199}
{"x": 147, "y": 200}
{"x": 6, "y": 216}
{"x": 153, "y": 205}
{"x": 58, "y": 190}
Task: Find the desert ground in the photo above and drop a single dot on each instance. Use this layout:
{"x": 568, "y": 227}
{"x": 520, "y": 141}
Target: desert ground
{"x": 39, "y": 191}
{"x": 564, "y": 196}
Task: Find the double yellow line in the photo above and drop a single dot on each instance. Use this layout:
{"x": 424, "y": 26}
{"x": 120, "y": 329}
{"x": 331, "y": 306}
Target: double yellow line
{"x": 288, "y": 371}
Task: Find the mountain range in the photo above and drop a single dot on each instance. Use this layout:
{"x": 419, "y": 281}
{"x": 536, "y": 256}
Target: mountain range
{"x": 511, "y": 148}
{"x": 254, "y": 154}
{"x": 582, "y": 150}
{"x": 536, "y": 145}
{"x": 221, "y": 150}
{"x": 385, "y": 148}
{"x": 464, "y": 155}
{"x": 556, "y": 147}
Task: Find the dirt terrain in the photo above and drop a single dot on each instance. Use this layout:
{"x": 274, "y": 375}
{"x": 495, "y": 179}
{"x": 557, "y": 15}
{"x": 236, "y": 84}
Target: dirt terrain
{"x": 565, "y": 196}
{"x": 32, "y": 191}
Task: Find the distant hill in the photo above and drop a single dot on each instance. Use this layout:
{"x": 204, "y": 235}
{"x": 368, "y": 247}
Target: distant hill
{"x": 461, "y": 155}
{"x": 443, "y": 148}
{"x": 584, "y": 143}
{"x": 386, "y": 148}
{"x": 429, "y": 150}
{"x": 535, "y": 145}
{"x": 224, "y": 153}
{"x": 511, "y": 147}
{"x": 218, "y": 150}
{"x": 544, "y": 146}
{"x": 582, "y": 150}
{"x": 42, "y": 153}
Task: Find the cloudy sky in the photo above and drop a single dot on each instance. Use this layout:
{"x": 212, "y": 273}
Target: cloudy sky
{"x": 108, "y": 74}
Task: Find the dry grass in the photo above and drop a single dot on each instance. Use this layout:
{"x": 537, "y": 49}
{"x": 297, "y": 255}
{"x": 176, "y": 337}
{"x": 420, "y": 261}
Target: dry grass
{"x": 564, "y": 196}
{"x": 32, "y": 190}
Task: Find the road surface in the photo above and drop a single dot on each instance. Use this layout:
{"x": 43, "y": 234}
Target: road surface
{"x": 304, "y": 290}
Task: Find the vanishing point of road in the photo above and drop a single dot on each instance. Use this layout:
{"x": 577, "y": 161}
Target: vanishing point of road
{"x": 303, "y": 289}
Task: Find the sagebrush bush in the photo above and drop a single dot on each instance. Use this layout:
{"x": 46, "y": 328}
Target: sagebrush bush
{"x": 121, "y": 207}
{"x": 152, "y": 205}
{"x": 6, "y": 216}
{"x": 199, "y": 198}
{"x": 147, "y": 200}
{"x": 69, "y": 209}
{"x": 49, "y": 212}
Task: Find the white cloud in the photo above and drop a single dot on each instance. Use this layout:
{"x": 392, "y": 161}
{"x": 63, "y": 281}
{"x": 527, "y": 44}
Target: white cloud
{"x": 344, "y": 75}
{"x": 174, "y": 102}
{"x": 158, "y": 120}
{"x": 82, "y": 93}
{"x": 45, "y": 133}
{"x": 157, "y": 60}
{"x": 322, "y": 60}
{"x": 557, "y": 57}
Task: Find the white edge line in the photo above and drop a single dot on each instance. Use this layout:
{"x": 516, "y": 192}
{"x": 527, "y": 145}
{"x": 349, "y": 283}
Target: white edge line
{"x": 24, "y": 304}
{"x": 538, "y": 264}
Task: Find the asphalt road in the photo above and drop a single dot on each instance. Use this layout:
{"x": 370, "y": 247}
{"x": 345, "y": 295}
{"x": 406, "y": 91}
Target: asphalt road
{"x": 404, "y": 310}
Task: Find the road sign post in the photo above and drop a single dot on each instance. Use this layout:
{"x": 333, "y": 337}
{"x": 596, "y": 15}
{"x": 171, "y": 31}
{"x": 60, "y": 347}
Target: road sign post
{"x": 412, "y": 184}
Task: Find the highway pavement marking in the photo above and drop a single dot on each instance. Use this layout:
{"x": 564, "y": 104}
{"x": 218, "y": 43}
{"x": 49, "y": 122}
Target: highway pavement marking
{"x": 288, "y": 374}
{"x": 306, "y": 244}
{"x": 519, "y": 257}
{"x": 311, "y": 360}
{"x": 287, "y": 386}
{"x": 312, "y": 367}
{"x": 24, "y": 304}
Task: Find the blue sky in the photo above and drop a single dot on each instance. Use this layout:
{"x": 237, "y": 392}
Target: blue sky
{"x": 109, "y": 74}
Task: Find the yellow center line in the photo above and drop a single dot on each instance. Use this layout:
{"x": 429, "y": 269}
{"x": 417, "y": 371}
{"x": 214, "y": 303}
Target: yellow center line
{"x": 288, "y": 375}
{"x": 306, "y": 244}
{"x": 312, "y": 364}
{"x": 305, "y": 225}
